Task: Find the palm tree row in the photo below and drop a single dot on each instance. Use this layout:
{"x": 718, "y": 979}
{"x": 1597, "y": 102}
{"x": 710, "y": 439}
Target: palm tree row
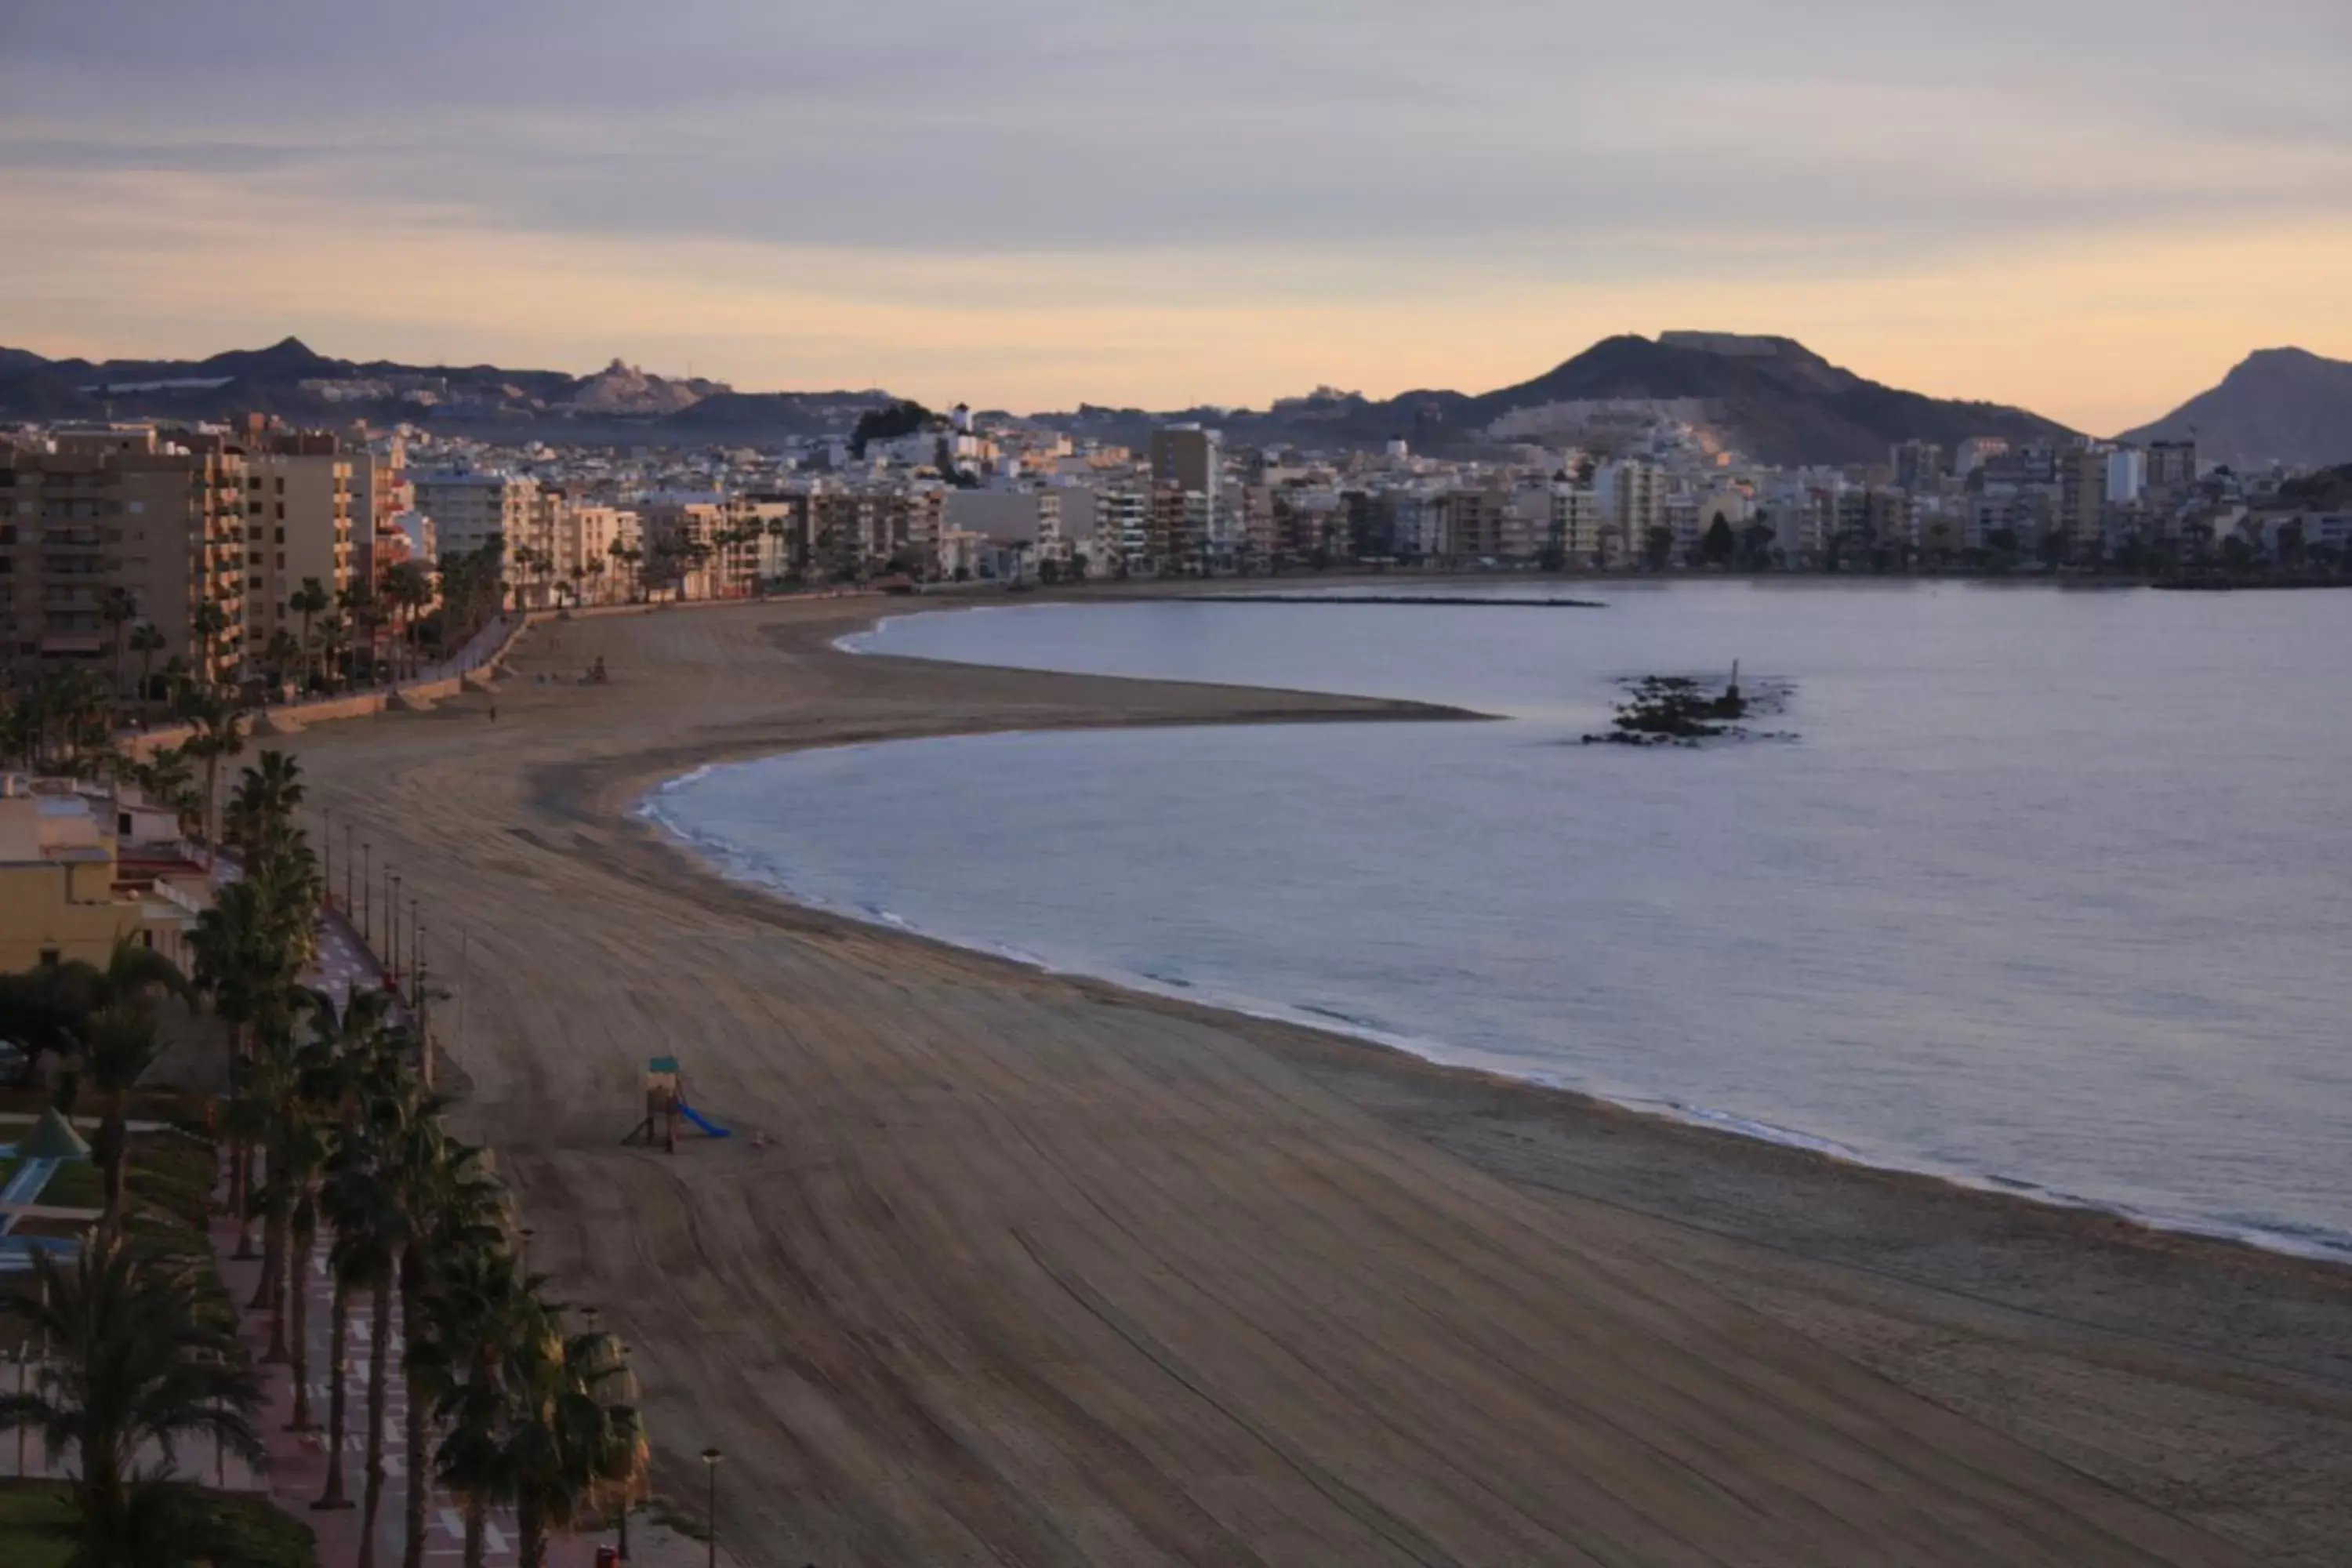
{"x": 503, "y": 1405}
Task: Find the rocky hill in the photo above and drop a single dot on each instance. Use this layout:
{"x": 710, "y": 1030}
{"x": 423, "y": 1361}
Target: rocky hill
{"x": 618, "y": 403}
{"x": 1765, "y": 397}
{"x": 2284, "y": 407}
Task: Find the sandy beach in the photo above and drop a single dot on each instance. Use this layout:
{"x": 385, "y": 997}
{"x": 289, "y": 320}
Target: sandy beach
{"x": 1033, "y": 1270}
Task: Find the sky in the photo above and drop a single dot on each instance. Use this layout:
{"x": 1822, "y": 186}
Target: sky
{"x": 2089, "y": 207}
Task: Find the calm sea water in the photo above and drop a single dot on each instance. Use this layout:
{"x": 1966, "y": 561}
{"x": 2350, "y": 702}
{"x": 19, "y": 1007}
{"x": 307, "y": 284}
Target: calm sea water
{"x": 2050, "y": 892}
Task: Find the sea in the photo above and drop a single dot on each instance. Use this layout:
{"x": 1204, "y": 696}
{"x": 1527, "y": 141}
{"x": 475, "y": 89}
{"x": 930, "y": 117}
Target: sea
{"x": 2039, "y": 889}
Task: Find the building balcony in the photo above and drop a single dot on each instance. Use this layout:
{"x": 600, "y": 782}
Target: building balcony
{"x": 72, "y": 645}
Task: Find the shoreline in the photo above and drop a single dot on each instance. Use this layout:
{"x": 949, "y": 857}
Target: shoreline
{"x": 709, "y": 857}
{"x": 2333, "y": 1250}
{"x": 924, "y": 1099}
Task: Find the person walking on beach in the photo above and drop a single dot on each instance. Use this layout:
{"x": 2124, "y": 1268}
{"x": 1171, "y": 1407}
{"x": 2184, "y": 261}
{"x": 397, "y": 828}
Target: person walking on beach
{"x": 494, "y": 712}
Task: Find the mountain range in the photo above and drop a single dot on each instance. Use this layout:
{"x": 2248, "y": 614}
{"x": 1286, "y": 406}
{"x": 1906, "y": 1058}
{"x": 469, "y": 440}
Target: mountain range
{"x": 1766, "y": 397}
{"x": 618, "y": 403}
{"x": 2276, "y": 405}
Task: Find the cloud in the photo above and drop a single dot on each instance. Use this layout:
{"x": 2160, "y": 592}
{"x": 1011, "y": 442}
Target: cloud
{"x": 1203, "y": 197}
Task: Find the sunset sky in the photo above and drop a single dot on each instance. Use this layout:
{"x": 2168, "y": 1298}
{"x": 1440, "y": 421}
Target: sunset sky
{"x": 2090, "y": 207}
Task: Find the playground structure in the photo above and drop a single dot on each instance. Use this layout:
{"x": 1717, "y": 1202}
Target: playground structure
{"x": 666, "y": 1105}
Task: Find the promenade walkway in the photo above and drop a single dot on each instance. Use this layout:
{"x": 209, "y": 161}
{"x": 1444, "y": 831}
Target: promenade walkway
{"x": 295, "y": 1473}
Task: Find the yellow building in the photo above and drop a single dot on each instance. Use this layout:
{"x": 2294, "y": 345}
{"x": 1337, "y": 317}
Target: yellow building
{"x": 62, "y": 893}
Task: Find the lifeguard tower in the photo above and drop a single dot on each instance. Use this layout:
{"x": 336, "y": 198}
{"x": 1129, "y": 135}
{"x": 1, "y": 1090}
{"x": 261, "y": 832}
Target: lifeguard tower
{"x": 665, "y": 1104}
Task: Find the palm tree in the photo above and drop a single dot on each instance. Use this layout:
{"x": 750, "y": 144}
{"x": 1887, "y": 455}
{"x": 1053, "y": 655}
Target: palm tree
{"x": 168, "y": 778}
{"x": 477, "y": 1306}
{"x": 110, "y": 1016}
{"x": 407, "y": 590}
{"x": 379, "y": 1169}
{"x": 334, "y": 642}
{"x": 210, "y": 623}
{"x": 281, "y": 654}
{"x": 334, "y": 1068}
{"x": 361, "y": 1258}
{"x": 121, "y": 1047}
{"x": 448, "y": 1207}
{"x": 309, "y": 600}
{"x": 265, "y": 799}
{"x": 250, "y": 949}
{"x": 138, "y": 1364}
{"x": 218, "y": 724}
{"x": 361, "y": 606}
{"x": 567, "y": 1451}
{"x": 354, "y": 1201}
{"x": 118, "y": 609}
{"x": 146, "y": 641}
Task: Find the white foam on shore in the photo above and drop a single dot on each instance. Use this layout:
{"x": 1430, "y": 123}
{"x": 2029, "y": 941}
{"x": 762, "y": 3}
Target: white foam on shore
{"x": 731, "y": 862}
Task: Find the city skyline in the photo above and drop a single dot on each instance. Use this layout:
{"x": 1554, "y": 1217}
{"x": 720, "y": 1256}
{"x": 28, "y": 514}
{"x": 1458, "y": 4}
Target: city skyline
{"x": 2084, "y": 209}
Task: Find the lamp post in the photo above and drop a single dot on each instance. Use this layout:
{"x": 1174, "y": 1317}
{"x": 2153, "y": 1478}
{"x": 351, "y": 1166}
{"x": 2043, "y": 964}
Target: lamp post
{"x": 347, "y": 871}
{"x": 327, "y": 880}
{"x": 711, "y": 1458}
{"x": 422, "y": 996}
{"x": 628, "y": 1487}
{"x": 367, "y": 885}
{"x": 392, "y": 925}
{"x": 465, "y": 981}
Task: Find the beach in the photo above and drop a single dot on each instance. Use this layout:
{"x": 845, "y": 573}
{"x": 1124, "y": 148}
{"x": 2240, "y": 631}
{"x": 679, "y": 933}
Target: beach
{"x": 1032, "y": 1270}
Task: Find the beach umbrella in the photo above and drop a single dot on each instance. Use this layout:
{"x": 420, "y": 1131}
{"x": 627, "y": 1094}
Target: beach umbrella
{"x": 52, "y": 1139}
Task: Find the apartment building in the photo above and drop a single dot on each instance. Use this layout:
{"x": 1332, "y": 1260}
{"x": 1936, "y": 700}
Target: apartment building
{"x": 1578, "y": 526}
{"x": 95, "y": 521}
{"x": 2083, "y": 495}
{"x": 1631, "y": 494}
{"x": 684, "y": 545}
{"x": 1472, "y": 525}
{"x": 2171, "y": 466}
{"x": 1189, "y": 461}
{"x": 1121, "y": 528}
{"x": 471, "y": 510}
{"x": 298, "y": 528}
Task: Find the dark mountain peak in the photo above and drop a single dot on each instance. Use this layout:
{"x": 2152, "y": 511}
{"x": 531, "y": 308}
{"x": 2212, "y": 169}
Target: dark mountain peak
{"x": 2283, "y": 405}
{"x": 2274, "y": 364}
{"x": 16, "y": 361}
{"x": 288, "y": 356}
{"x": 2283, "y": 356}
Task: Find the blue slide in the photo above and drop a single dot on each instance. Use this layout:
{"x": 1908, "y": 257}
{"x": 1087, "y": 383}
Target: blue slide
{"x": 710, "y": 1127}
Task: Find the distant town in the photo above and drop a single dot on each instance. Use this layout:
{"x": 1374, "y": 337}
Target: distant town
{"x": 253, "y": 550}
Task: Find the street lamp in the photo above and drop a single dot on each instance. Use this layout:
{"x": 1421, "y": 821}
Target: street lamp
{"x": 347, "y": 871}
{"x": 328, "y": 880}
{"x": 628, "y": 1487}
{"x": 367, "y": 885}
{"x": 392, "y": 925}
{"x": 711, "y": 1458}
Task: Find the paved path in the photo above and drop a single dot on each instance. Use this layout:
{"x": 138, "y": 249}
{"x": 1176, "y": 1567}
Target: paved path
{"x": 295, "y": 1473}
